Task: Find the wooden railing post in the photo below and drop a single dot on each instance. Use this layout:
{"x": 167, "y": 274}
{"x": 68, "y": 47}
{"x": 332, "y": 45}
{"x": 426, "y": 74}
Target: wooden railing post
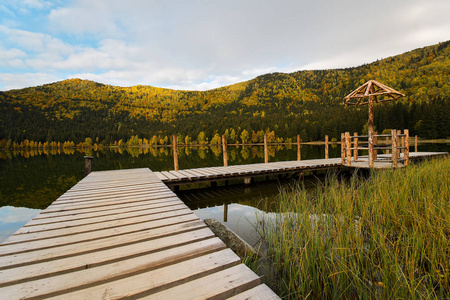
{"x": 326, "y": 147}
{"x": 224, "y": 151}
{"x": 375, "y": 143}
{"x": 88, "y": 165}
{"x": 343, "y": 148}
{"x": 299, "y": 154}
{"x": 387, "y": 144}
{"x": 415, "y": 144}
{"x": 175, "y": 152}
{"x": 394, "y": 148}
{"x": 371, "y": 153}
{"x": 266, "y": 150}
{"x": 348, "y": 146}
{"x": 406, "y": 152}
{"x": 355, "y": 145}
{"x": 399, "y": 143}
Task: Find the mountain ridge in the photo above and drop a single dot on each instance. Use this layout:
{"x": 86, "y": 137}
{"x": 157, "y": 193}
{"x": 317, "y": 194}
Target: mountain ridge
{"x": 302, "y": 102}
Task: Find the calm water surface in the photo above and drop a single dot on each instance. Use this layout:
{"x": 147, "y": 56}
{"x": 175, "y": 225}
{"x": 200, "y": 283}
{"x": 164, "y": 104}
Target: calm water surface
{"x": 30, "y": 181}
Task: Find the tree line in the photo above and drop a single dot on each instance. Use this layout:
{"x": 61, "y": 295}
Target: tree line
{"x": 308, "y": 103}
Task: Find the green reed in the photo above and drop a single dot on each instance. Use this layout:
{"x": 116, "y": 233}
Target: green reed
{"x": 382, "y": 237}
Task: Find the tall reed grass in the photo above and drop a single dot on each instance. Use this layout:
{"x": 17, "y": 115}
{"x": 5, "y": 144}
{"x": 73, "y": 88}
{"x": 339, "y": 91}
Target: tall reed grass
{"x": 382, "y": 237}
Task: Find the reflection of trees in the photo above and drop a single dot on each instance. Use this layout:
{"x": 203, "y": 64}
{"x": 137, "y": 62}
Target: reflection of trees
{"x": 201, "y": 152}
{"x": 188, "y": 151}
{"x": 232, "y": 154}
{"x": 216, "y": 150}
{"x": 245, "y": 153}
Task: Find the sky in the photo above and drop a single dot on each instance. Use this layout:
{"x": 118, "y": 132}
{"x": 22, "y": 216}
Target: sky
{"x": 204, "y": 44}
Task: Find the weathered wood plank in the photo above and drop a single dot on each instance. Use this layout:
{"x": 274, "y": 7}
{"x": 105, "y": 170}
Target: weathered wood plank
{"x": 38, "y": 254}
{"x": 10, "y": 245}
{"x": 90, "y": 214}
{"x": 107, "y": 206}
{"x": 24, "y": 237}
{"x": 101, "y": 219}
{"x": 223, "y": 284}
{"x": 147, "y": 283}
{"x": 55, "y": 267}
{"x": 109, "y": 272}
{"x": 259, "y": 292}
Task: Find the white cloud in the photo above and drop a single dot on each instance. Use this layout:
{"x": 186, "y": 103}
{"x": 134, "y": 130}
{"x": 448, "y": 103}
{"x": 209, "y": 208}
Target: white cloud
{"x": 206, "y": 44}
{"x": 10, "y": 81}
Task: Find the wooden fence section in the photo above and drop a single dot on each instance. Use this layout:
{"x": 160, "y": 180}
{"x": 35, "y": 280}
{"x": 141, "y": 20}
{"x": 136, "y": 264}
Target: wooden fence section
{"x": 121, "y": 234}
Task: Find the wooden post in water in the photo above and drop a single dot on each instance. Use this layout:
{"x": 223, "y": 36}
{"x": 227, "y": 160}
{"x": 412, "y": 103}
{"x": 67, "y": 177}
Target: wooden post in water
{"x": 415, "y": 144}
{"x": 348, "y": 146}
{"x": 326, "y": 147}
{"x": 355, "y": 146}
{"x": 343, "y": 148}
{"x": 299, "y": 154}
{"x": 224, "y": 150}
{"x": 406, "y": 152}
{"x": 266, "y": 150}
{"x": 225, "y": 212}
{"x": 175, "y": 152}
{"x": 394, "y": 148}
{"x": 87, "y": 165}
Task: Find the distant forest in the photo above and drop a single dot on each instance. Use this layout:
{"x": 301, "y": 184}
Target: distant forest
{"x": 309, "y": 103}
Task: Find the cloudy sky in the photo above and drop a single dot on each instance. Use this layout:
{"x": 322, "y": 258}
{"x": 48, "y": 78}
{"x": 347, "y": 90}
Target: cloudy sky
{"x": 204, "y": 44}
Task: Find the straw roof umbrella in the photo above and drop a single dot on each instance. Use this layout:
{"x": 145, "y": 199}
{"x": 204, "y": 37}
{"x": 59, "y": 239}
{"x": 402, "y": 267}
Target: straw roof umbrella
{"x": 369, "y": 93}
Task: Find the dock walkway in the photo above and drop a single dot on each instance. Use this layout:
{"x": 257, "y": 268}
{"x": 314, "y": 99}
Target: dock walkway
{"x": 125, "y": 234}
{"x": 209, "y": 174}
{"x": 120, "y": 234}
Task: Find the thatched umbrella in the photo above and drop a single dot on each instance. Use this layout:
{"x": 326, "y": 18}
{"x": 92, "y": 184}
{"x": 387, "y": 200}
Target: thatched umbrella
{"x": 369, "y": 93}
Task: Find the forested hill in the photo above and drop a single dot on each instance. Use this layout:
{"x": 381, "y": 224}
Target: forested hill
{"x": 305, "y": 102}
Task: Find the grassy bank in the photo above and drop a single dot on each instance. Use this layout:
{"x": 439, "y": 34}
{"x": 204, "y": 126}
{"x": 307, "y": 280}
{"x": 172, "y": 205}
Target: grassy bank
{"x": 382, "y": 237}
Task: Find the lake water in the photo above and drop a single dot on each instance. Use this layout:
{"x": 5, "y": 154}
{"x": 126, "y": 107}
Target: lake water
{"x": 32, "y": 180}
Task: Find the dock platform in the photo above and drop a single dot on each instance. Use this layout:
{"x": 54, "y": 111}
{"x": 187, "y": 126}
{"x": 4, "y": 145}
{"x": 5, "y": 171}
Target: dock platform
{"x": 122, "y": 234}
{"x": 125, "y": 234}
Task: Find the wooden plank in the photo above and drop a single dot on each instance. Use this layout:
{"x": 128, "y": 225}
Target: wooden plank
{"x": 8, "y": 246}
{"x": 26, "y": 237}
{"x": 55, "y": 267}
{"x": 223, "y": 284}
{"x": 95, "y": 190}
{"x": 43, "y": 254}
{"x": 170, "y": 176}
{"x": 44, "y": 287}
{"x": 89, "y": 214}
{"x": 181, "y": 176}
{"x": 131, "y": 202}
{"x": 87, "y": 196}
{"x": 195, "y": 173}
{"x": 100, "y": 219}
{"x": 161, "y": 176}
{"x": 108, "y": 201}
{"x": 140, "y": 285}
{"x": 259, "y": 292}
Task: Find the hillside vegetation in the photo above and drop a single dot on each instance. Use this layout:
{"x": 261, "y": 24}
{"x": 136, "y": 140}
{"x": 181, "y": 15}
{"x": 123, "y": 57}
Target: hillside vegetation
{"x": 308, "y": 103}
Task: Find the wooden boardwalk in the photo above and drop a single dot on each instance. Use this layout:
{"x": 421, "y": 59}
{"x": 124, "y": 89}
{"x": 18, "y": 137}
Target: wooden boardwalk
{"x": 125, "y": 234}
{"x": 273, "y": 168}
{"x": 120, "y": 234}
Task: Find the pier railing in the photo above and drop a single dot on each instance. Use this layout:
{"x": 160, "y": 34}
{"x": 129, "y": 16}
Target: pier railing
{"x": 396, "y": 144}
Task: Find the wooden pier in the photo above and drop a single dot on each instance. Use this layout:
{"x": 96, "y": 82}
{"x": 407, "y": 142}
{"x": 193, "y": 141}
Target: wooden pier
{"x": 246, "y": 172}
{"x": 120, "y": 234}
{"x": 125, "y": 234}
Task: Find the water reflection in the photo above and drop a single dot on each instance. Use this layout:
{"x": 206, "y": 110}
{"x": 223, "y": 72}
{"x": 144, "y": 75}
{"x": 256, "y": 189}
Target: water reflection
{"x": 236, "y": 206}
{"x": 13, "y": 218}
